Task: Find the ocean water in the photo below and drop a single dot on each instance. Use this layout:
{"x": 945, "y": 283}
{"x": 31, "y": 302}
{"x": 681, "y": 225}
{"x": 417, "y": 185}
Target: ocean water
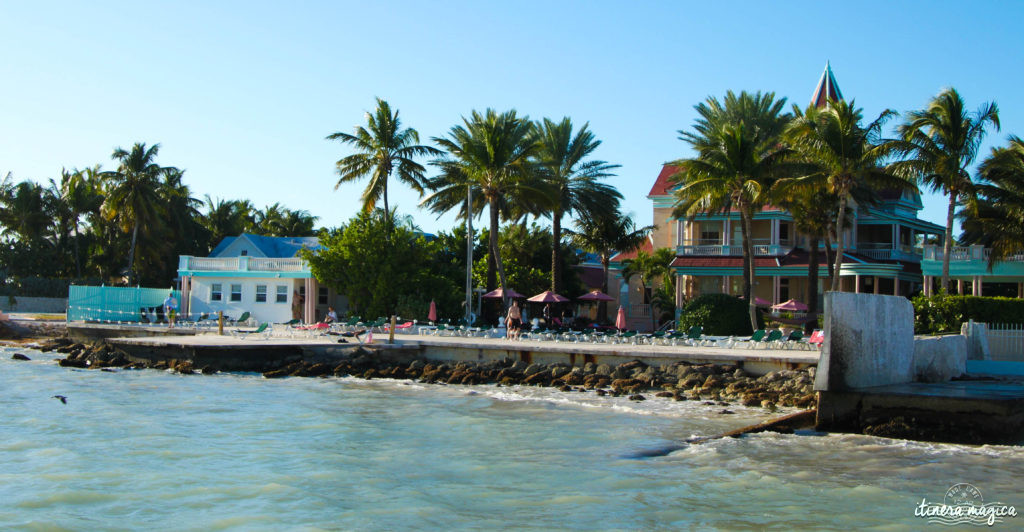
{"x": 151, "y": 450}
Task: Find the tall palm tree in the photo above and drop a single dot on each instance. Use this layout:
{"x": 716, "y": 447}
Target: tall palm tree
{"x": 269, "y": 220}
{"x": 994, "y": 217}
{"x": 651, "y": 267}
{"x": 299, "y": 223}
{"x": 843, "y": 155}
{"x": 382, "y": 148}
{"x": 942, "y": 141}
{"x": 573, "y": 181}
{"x": 490, "y": 154}
{"x": 224, "y": 218}
{"x": 739, "y": 154}
{"x": 604, "y": 234}
{"x": 80, "y": 190}
{"x": 133, "y": 193}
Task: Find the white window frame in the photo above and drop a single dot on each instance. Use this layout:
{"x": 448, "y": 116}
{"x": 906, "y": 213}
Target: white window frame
{"x": 258, "y": 293}
{"x": 239, "y": 298}
{"x": 282, "y": 290}
{"x": 216, "y": 292}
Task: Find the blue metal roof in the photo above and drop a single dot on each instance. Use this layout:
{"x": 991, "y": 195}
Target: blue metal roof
{"x": 271, "y": 246}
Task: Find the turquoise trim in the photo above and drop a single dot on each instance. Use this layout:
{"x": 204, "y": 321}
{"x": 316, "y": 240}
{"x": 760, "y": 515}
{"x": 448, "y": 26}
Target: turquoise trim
{"x": 1009, "y": 271}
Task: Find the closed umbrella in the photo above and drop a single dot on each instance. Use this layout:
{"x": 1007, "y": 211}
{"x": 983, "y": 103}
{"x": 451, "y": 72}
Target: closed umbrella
{"x": 548, "y": 296}
{"x": 620, "y": 319}
{"x": 432, "y": 315}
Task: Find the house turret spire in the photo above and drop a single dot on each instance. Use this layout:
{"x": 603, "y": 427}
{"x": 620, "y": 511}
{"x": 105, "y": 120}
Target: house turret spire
{"x": 827, "y": 89}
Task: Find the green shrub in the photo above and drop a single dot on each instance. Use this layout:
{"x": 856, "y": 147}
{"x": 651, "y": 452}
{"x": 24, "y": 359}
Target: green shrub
{"x": 944, "y": 313}
{"x": 719, "y": 314}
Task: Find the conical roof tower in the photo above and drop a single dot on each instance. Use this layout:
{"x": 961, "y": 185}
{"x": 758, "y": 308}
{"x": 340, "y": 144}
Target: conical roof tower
{"x": 827, "y": 89}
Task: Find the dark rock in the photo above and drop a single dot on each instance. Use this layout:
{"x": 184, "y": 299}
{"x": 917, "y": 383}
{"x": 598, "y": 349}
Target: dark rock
{"x": 601, "y": 392}
{"x": 628, "y": 366}
{"x": 709, "y": 403}
{"x": 208, "y": 370}
{"x": 19, "y": 356}
{"x": 369, "y": 374}
{"x": 533, "y": 369}
{"x": 276, "y": 374}
{"x": 637, "y": 397}
{"x": 664, "y": 394}
{"x": 565, "y": 388}
{"x": 72, "y": 363}
{"x": 727, "y": 412}
{"x": 185, "y": 368}
{"x": 162, "y": 364}
{"x": 603, "y": 369}
{"x": 108, "y": 370}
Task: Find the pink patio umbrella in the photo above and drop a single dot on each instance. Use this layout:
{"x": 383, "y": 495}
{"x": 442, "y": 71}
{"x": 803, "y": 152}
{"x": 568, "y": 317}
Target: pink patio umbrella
{"x": 792, "y": 305}
{"x": 595, "y": 295}
{"x": 620, "y": 319}
{"x": 432, "y": 315}
{"x": 548, "y": 296}
{"x": 499, "y": 294}
{"x": 760, "y": 302}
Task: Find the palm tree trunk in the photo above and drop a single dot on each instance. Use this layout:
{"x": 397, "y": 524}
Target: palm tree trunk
{"x": 812, "y": 283}
{"x": 78, "y": 261}
{"x": 838, "y": 268}
{"x": 829, "y": 256}
{"x": 748, "y": 265}
{"x": 947, "y": 246}
{"x": 493, "y": 206}
{"x": 602, "y": 307}
{"x": 387, "y": 211}
{"x": 131, "y": 253}
{"x": 556, "y": 248}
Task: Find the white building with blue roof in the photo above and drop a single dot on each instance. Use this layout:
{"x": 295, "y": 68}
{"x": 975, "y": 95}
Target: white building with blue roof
{"x": 261, "y": 275}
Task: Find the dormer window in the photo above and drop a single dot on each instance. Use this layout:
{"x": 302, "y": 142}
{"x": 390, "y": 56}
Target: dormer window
{"x": 245, "y": 252}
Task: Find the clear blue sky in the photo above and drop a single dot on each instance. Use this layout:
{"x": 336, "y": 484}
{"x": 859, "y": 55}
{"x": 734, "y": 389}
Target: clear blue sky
{"x": 242, "y": 94}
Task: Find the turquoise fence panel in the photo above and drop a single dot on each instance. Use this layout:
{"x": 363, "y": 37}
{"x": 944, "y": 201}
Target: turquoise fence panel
{"x": 116, "y": 303}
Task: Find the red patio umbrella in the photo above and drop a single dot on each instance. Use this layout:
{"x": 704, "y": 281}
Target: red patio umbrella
{"x": 620, "y": 319}
{"x": 432, "y": 315}
{"x": 499, "y": 294}
{"x": 791, "y": 305}
{"x": 548, "y": 296}
{"x": 595, "y": 295}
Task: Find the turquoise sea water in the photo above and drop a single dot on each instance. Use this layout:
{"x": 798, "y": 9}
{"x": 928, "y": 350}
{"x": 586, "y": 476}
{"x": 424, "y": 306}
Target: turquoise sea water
{"x": 144, "y": 450}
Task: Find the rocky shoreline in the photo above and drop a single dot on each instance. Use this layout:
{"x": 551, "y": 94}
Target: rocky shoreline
{"x": 719, "y": 384}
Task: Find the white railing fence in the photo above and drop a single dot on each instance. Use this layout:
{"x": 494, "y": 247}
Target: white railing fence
{"x": 639, "y": 310}
{"x": 1005, "y": 341}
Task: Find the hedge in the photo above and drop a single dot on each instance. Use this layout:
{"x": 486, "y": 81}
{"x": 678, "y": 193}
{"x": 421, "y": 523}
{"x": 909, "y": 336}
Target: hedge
{"x": 944, "y": 313}
{"x": 719, "y": 314}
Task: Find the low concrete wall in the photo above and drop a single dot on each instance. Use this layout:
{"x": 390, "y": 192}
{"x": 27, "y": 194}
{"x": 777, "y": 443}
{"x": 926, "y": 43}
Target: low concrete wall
{"x": 869, "y": 341}
{"x": 939, "y": 358}
{"x": 58, "y": 305}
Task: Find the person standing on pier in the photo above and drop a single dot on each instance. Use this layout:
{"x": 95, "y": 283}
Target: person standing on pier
{"x": 514, "y": 320}
{"x": 171, "y": 309}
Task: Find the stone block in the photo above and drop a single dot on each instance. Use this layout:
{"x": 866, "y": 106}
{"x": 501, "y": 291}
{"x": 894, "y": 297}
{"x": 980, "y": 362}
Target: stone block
{"x": 940, "y": 358}
{"x": 869, "y": 341}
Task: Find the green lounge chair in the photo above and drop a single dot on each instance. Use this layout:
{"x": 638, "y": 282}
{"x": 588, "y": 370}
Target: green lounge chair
{"x": 260, "y": 331}
{"x": 754, "y": 338}
{"x": 694, "y": 335}
{"x": 773, "y": 338}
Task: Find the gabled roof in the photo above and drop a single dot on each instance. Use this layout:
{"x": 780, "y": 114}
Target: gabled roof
{"x": 662, "y": 186}
{"x": 647, "y": 247}
{"x": 827, "y": 89}
{"x": 277, "y": 247}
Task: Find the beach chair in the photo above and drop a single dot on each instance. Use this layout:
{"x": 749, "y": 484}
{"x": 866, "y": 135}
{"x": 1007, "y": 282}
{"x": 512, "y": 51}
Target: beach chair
{"x": 694, "y": 336}
{"x": 772, "y": 339}
{"x": 817, "y": 339}
{"x": 241, "y": 319}
{"x": 795, "y": 339}
{"x": 754, "y": 339}
{"x": 260, "y": 331}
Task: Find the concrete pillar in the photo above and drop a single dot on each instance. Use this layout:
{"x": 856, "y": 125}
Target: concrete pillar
{"x": 876, "y": 285}
{"x": 726, "y": 232}
{"x": 856, "y": 284}
{"x": 960, "y": 286}
{"x": 725, "y": 284}
{"x": 927, "y": 285}
{"x": 895, "y": 286}
{"x": 895, "y": 236}
{"x": 976, "y": 289}
{"x": 186, "y": 290}
{"x": 680, "y": 290}
{"x": 309, "y": 312}
{"x": 775, "y": 290}
{"x": 775, "y": 232}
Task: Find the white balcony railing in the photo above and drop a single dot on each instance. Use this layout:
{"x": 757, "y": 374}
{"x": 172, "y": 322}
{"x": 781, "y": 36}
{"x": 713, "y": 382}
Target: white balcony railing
{"x": 966, "y": 254}
{"x": 243, "y": 264}
{"x": 886, "y": 251}
{"x": 639, "y": 310}
{"x": 762, "y": 247}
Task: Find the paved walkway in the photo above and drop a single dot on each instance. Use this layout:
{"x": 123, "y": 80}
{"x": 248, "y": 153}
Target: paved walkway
{"x": 710, "y": 353}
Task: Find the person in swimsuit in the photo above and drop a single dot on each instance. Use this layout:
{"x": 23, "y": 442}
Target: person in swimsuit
{"x": 514, "y": 320}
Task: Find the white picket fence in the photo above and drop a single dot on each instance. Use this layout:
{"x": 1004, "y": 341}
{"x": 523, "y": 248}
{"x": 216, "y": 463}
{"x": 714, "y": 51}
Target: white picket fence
{"x": 1005, "y": 341}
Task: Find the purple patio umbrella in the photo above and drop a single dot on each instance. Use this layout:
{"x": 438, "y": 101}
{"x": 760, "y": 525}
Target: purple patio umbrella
{"x": 548, "y": 296}
{"x": 499, "y": 294}
{"x": 595, "y": 295}
{"x": 792, "y": 305}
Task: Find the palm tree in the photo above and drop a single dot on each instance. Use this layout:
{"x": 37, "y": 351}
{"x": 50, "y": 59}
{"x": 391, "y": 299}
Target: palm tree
{"x": 574, "y": 183}
{"x": 995, "y": 216}
{"x": 738, "y": 155}
{"x": 226, "y": 218}
{"x": 269, "y": 220}
{"x": 80, "y": 190}
{"x": 133, "y": 193}
{"x": 942, "y": 141}
{"x": 299, "y": 223}
{"x": 604, "y": 234}
{"x": 650, "y": 267}
{"x": 382, "y": 147}
{"x": 491, "y": 155}
{"x": 843, "y": 155}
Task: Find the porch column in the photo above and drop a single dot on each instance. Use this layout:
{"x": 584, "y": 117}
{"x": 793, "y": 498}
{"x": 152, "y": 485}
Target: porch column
{"x": 895, "y": 236}
{"x": 186, "y": 289}
{"x": 876, "y": 285}
{"x": 927, "y": 285}
{"x": 680, "y": 290}
{"x": 775, "y": 232}
{"x": 976, "y": 289}
{"x": 726, "y": 232}
{"x": 856, "y": 284}
{"x": 959, "y": 287}
{"x": 309, "y": 312}
{"x": 895, "y": 286}
{"x": 1020, "y": 290}
{"x": 725, "y": 284}
{"x": 775, "y": 290}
